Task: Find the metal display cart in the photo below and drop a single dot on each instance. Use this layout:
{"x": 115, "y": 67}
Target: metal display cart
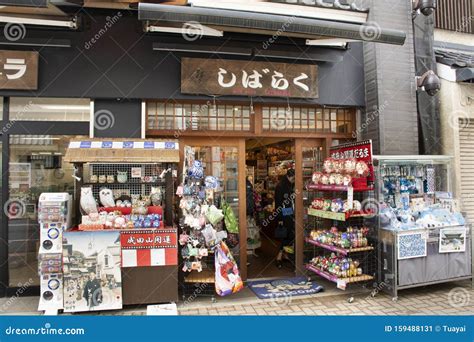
{"x": 430, "y": 176}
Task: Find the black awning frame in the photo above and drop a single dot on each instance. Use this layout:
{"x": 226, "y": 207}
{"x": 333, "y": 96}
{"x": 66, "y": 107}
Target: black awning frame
{"x": 269, "y": 22}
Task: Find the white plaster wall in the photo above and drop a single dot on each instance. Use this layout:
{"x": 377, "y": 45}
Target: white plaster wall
{"x": 456, "y": 101}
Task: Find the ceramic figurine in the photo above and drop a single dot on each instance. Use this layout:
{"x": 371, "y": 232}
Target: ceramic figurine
{"x": 106, "y": 198}
{"x": 88, "y": 204}
{"x": 122, "y": 176}
{"x": 156, "y": 195}
{"x": 110, "y": 179}
{"x": 102, "y": 179}
{"x": 94, "y": 179}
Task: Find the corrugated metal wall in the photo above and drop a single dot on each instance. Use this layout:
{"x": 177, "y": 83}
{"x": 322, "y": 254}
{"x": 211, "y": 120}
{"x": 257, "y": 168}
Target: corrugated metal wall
{"x": 455, "y": 15}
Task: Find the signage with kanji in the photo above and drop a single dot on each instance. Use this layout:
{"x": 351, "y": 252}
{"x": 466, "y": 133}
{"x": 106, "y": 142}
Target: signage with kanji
{"x": 149, "y": 247}
{"x": 230, "y": 77}
{"x": 18, "y": 70}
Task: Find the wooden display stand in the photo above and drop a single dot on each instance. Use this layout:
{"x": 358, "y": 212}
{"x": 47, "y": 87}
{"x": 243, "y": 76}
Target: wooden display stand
{"x": 140, "y": 285}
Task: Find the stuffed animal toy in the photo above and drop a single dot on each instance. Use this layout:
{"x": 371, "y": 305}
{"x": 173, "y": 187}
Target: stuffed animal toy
{"x": 88, "y": 204}
{"x": 106, "y": 198}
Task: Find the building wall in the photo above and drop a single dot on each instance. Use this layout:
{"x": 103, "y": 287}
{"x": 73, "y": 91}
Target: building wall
{"x": 391, "y": 116}
{"x": 119, "y": 62}
{"x": 457, "y": 101}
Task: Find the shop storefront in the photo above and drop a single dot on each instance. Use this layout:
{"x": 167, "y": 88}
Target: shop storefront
{"x": 242, "y": 114}
{"x": 139, "y": 96}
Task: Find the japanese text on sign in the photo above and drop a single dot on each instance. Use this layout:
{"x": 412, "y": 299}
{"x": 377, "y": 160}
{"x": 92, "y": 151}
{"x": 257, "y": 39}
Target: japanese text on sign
{"x": 18, "y": 69}
{"x": 228, "y": 77}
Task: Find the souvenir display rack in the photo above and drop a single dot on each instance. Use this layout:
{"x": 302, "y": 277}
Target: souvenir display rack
{"x": 207, "y": 226}
{"x": 146, "y": 164}
{"x": 408, "y": 186}
{"x": 362, "y": 256}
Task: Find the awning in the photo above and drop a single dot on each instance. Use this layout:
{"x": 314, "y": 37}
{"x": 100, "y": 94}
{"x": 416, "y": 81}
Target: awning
{"x": 264, "y": 23}
{"x": 122, "y": 151}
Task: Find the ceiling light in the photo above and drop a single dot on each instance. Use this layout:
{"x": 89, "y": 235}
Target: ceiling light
{"x": 71, "y": 23}
{"x": 65, "y": 107}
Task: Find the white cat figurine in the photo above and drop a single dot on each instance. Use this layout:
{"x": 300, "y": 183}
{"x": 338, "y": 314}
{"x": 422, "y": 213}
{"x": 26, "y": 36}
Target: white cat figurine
{"x": 88, "y": 204}
{"x": 106, "y": 198}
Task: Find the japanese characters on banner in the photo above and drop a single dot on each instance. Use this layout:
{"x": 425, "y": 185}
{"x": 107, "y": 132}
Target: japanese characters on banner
{"x": 231, "y": 77}
{"x": 149, "y": 247}
{"x": 19, "y": 70}
{"x": 361, "y": 150}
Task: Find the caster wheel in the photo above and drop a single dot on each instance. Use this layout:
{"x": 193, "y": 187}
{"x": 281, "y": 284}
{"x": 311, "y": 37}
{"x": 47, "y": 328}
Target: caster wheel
{"x": 350, "y": 300}
{"x": 373, "y": 294}
{"x": 213, "y": 300}
{"x": 395, "y": 299}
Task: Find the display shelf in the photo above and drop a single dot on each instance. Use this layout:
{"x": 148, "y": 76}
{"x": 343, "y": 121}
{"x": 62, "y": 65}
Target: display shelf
{"x": 323, "y": 187}
{"x": 336, "y": 249}
{"x": 126, "y": 183}
{"x": 206, "y": 276}
{"x": 338, "y": 216}
{"x": 334, "y": 279}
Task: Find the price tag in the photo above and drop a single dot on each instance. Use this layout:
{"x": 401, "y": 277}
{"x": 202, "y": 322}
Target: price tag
{"x": 341, "y": 284}
{"x": 350, "y": 197}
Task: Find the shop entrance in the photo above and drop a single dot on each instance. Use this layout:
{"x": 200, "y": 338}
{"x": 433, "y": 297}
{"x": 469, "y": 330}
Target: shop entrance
{"x": 267, "y": 163}
{"x": 250, "y": 170}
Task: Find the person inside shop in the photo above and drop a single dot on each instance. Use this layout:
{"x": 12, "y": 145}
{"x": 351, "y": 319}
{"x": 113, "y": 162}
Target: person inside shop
{"x": 93, "y": 291}
{"x": 284, "y": 207}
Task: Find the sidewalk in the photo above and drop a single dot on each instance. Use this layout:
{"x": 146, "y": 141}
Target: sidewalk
{"x": 443, "y": 299}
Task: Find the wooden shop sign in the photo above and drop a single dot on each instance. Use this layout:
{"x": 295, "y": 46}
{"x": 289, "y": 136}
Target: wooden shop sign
{"x": 19, "y": 70}
{"x": 248, "y": 78}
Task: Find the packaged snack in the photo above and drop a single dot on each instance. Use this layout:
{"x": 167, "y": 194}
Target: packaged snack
{"x": 350, "y": 165}
{"x": 317, "y": 177}
{"x": 362, "y": 169}
{"x": 328, "y": 165}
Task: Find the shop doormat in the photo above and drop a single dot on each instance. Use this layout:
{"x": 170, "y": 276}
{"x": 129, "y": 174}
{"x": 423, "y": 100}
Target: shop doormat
{"x": 288, "y": 287}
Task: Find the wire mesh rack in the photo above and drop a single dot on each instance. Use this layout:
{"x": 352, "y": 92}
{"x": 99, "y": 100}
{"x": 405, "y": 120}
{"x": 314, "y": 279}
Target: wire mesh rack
{"x": 126, "y": 178}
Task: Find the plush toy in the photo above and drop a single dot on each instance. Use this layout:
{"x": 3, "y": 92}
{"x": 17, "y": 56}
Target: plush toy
{"x": 332, "y": 178}
{"x": 88, "y": 204}
{"x": 106, "y": 198}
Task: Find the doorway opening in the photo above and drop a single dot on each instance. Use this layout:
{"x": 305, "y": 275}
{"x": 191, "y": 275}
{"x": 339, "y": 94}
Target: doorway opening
{"x": 267, "y": 163}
